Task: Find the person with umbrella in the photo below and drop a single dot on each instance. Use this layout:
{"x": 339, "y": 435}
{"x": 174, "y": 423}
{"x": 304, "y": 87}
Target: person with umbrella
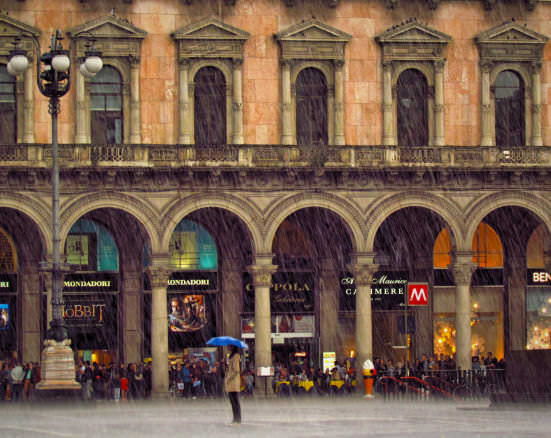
{"x": 232, "y": 379}
{"x": 232, "y": 382}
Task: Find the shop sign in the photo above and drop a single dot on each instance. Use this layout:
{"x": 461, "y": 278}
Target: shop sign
{"x": 85, "y": 310}
{"x": 418, "y": 294}
{"x": 388, "y": 291}
{"x": 193, "y": 281}
{"x": 329, "y": 359}
{"x": 538, "y": 277}
{"x": 290, "y": 292}
{"x": 8, "y": 282}
{"x": 93, "y": 282}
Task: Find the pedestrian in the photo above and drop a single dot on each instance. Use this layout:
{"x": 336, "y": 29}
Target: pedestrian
{"x": 17, "y": 375}
{"x": 233, "y": 382}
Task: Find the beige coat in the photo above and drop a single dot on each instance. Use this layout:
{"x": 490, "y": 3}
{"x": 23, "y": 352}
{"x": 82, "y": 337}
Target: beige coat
{"x": 232, "y": 381}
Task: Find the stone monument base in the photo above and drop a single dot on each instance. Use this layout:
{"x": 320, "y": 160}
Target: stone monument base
{"x": 57, "y": 370}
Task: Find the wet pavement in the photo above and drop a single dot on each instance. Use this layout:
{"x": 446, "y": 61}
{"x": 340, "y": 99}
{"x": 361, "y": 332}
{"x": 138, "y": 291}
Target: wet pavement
{"x": 275, "y": 418}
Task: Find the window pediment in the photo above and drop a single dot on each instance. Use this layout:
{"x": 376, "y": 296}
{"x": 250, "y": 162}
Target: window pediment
{"x": 210, "y": 38}
{"x": 10, "y": 28}
{"x": 511, "y": 42}
{"x": 413, "y": 40}
{"x": 312, "y": 40}
{"x": 107, "y": 30}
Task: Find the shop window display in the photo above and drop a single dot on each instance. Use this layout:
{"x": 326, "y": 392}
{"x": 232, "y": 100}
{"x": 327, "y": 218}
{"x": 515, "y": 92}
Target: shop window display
{"x": 538, "y": 319}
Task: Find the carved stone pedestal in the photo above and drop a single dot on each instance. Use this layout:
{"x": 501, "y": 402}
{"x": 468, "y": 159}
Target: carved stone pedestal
{"x": 58, "y": 367}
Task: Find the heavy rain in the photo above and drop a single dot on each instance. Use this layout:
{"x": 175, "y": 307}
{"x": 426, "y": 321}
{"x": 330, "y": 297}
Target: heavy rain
{"x": 265, "y": 217}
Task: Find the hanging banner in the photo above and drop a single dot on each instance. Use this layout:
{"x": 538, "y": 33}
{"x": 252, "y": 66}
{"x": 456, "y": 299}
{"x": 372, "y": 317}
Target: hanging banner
{"x": 193, "y": 281}
{"x": 290, "y": 292}
{"x": 8, "y": 283}
{"x": 89, "y": 310}
{"x": 186, "y": 313}
{"x": 93, "y": 282}
{"x": 388, "y": 291}
{"x": 283, "y": 326}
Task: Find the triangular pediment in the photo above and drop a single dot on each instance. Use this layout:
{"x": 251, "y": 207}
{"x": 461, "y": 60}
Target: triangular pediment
{"x": 109, "y": 26}
{"x": 210, "y": 29}
{"x": 412, "y": 31}
{"x": 510, "y": 32}
{"x": 312, "y": 30}
{"x": 10, "y": 27}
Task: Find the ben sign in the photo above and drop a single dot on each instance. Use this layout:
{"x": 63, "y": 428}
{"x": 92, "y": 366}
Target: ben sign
{"x": 418, "y": 294}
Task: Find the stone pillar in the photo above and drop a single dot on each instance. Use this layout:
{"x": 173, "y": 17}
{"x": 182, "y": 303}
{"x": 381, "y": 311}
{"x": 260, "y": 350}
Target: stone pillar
{"x": 30, "y": 302}
{"x": 363, "y": 269}
{"x": 287, "y": 118}
{"x": 262, "y": 279}
{"x": 184, "y": 136}
{"x": 232, "y": 279}
{"x": 439, "y": 127}
{"x": 135, "y": 137}
{"x": 329, "y": 307}
{"x": 485, "y": 110}
{"x": 536, "y": 104}
{"x": 463, "y": 268}
{"x": 159, "y": 329}
{"x": 339, "y": 103}
{"x": 131, "y": 302}
{"x": 237, "y": 127}
{"x": 28, "y": 106}
{"x": 81, "y": 130}
{"x": 388, "y": 119}
{"x": 515, "y": 327}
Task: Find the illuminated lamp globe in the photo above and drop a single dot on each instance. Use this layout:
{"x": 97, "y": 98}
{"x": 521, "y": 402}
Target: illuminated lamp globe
{"x": 61, "y": 63}
{"x": 17, "y": 65}
{"x": 93, "y": 64}
{"x": 84, "y": 71}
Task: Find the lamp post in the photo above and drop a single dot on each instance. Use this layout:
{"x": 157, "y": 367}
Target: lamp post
{"x": 53, "y": 77}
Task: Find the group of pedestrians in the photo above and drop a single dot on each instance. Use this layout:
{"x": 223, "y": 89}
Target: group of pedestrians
{"x": 18, "y": 380}
{"x": 197, "y": 377}
{"x": 114, "y": 382}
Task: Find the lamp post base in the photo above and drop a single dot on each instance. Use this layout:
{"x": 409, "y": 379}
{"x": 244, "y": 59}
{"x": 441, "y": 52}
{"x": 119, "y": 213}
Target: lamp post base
{"x": 58, "y": 367}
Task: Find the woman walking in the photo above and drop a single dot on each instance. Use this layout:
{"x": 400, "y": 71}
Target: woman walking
{"x": 233, "y": 382}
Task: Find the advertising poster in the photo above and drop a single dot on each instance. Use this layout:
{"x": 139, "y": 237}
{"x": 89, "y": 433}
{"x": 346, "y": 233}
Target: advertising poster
{"x": 4, "y": 316}
{"x": 284, "y": 326}
{"x": 329, "y": 358}
{"x": 187, "y": 313}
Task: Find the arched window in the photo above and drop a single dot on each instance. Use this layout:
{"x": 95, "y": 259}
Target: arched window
{"x": 509, "y": 108}
{"x": 192, "y": 247}
{"x": 210, "y": 107}
{"x": 311, "y": 92}
{"x": 91, "y": 247}
{"x": 106, "y": 106}
{"x": 413, "y": 124}
{"x": 8, "y": 107}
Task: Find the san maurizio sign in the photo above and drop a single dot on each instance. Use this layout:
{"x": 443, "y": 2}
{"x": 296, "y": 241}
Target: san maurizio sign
{"x": 388, "y": 291}
{"x": 290, "y": 292}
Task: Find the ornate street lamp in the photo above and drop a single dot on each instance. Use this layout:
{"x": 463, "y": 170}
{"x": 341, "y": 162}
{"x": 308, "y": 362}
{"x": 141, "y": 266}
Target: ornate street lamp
{"x": 53, "y": 77}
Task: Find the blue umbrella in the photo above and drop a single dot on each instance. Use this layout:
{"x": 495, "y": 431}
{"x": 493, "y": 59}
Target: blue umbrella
{"x": 222, "y": 341}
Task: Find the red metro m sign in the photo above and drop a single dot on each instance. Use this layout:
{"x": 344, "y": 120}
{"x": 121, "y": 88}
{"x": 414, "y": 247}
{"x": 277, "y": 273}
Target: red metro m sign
{"x": 418, "y": 294}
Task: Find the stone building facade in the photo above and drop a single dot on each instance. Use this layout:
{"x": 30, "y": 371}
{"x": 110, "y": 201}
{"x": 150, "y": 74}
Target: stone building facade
{"x": 311, "y": 141}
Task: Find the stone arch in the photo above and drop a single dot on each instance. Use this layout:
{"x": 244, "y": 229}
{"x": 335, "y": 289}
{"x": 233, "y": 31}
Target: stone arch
{"x": 479, "y": 209}
{"x": 447, "y": 210}
{"x": 141, "y": 211}
{"x": 246, "y": 212}
{"x": 349, "y": 213}
{"x": 425, "y": 69}
{"x": 38, "y": 212}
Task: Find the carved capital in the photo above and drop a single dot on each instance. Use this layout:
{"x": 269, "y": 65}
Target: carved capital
{"x": 463, "y": 272}
{"x": 387, "y": 66}
{"x": 486, "y": 66}
{"x": 184, "y": 63}
{"x": 134, "y": 61}
{"x": 486, "y": 108}
{"x": 392, "y": 4}
{"x": 363, "y": 273}
{"x": 159, "y": 277}
{"x": 433, "y": 4}
{"x": 285, "y": 63}
{"x": 489, "y": 4}
{"x": 237, "y": 106}
{"x": 262, "y": 275}
{"x": 439, "y": 65}
{"x": 237, "y": 62}
{"x": 535, "y": 67}
{"x": 338, "y": 63}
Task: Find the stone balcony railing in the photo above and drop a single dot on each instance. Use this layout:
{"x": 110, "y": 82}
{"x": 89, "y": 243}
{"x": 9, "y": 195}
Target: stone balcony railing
{"x": 274, "y": 156}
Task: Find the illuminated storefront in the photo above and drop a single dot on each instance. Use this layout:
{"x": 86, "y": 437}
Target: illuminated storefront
{"x": 91, "y": 293}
